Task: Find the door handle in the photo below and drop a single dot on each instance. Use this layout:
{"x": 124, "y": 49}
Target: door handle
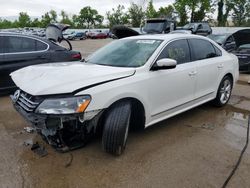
{"x": 192, "y": 73}
{"x": 220, "y": 66}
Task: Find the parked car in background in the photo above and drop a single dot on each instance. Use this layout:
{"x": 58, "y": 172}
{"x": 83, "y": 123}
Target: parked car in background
{"x": 242, "y": 51}
{"x": 98, "y": 35}
{"x": 243, "y": 54}
{"x": 66, "y": 34}
{"x": 198, "y": 28}
{"x": 132, "y": 83}
{"x": 225, "y": 40}
{"x": 77, "y": 36}
{"x": 18, "y": 51}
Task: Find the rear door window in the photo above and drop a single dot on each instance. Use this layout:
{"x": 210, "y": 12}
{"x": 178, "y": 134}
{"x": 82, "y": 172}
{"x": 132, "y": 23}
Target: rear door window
{"x": 177, "y": 50}
{"x": 15, "y": 44}
{"x": 201, "y": 49}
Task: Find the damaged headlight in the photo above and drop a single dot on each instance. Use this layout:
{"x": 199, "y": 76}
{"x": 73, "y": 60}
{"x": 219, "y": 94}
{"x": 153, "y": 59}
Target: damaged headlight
{"x": 64, "y": 105}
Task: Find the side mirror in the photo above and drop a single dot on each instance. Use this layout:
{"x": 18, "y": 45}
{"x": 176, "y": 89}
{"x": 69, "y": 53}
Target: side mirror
{"x": 165, "y": 63}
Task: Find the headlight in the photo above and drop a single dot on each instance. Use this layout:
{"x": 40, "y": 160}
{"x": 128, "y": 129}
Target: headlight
{"x": 64, "y": 105}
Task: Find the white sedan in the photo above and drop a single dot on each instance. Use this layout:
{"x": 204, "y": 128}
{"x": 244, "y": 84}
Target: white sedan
{"x": 130, "y": 83}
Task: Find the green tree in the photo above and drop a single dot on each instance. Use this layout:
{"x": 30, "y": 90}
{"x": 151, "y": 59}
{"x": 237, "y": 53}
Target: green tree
{"x": 35, "y": 23}
{"x": 48, "y": 17}
{"x": 75, "y": 22}
{"x": 224, "y": 8}
{"x": 5, "y": 24}
{"x": 117, "y": 16}
{"x": 89, "y": 17}
{"x": 166, "y": 12}
{"x": 241, "y": 12}
{"x": 46, "y": 20}
{"x": 53, "y": 15}
{"x": 65, "y": 18}
{"x": 151, "y": 12}
{"x": 24, "y": 20}
{"x": 181, "y": 8}
{"x": 198, "y": 9}
{"x": 136, "y": 14}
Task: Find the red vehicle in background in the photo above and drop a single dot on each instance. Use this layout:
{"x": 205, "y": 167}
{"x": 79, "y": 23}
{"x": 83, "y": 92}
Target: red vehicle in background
{"x": 97, "y": 35}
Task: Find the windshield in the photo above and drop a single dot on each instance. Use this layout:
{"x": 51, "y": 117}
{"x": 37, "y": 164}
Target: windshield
{"x": 218, "y": 38}
{"x": 189, "y": 26}
{"x": 125, "y": 53}
{"x": 154, "y": 27}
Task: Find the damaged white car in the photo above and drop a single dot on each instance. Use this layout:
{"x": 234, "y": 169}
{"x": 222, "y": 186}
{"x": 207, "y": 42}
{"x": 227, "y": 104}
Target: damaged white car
{"x": 130, "y": 83}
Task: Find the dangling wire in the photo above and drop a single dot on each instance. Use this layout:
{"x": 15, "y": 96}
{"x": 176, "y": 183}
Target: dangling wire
{"x": 241, "y": 155}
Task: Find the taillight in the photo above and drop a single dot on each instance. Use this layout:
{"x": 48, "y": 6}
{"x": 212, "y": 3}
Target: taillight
{"x": 76, "y": 56}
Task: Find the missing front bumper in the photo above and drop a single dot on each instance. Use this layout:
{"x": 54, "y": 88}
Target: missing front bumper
{"x": 63, "y": 132}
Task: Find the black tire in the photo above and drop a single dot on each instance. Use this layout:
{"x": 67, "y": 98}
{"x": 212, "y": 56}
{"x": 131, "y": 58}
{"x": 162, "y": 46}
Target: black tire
{"x": 225, "y": 89}
{"x": 116, "y": 128}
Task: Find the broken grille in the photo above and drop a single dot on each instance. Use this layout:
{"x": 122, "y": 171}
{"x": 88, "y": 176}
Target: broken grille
{"x": 27, "y": 102}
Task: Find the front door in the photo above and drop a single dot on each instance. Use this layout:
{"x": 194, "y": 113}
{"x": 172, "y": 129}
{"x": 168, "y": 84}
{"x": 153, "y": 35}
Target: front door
{"x": 172, "y": 88}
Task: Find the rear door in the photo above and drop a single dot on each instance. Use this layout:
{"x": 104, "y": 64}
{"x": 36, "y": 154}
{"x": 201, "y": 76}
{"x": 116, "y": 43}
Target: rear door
{"x": 208, "y": 63}
{"x": 19, "y": 52}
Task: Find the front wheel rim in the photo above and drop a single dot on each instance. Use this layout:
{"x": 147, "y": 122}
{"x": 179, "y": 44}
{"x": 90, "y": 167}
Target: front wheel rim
{"x": 225, "y": 91}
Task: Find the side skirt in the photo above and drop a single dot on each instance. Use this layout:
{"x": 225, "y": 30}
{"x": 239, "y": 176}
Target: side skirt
{"x": 155, "y": 118}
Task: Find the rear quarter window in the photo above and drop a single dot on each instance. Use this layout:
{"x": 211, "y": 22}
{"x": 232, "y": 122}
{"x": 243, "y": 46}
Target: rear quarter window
{"x": 217, "y": 51}
{"x": 201, "y": 49}
{"x": 41, "y": 46}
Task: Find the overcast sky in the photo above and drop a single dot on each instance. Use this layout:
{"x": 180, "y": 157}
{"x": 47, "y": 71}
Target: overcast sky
{"x": 36, "y": 8}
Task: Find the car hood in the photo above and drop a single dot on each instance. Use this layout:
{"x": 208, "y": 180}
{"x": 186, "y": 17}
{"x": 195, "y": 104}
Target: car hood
{"x": 242, "y": 37}
{"x": 62, "y": 78}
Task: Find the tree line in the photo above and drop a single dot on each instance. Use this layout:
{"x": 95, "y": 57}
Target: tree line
{"x": 238, "y": 11}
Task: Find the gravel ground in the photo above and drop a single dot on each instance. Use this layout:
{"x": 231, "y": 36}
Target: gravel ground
{"x": 197, "y": 148}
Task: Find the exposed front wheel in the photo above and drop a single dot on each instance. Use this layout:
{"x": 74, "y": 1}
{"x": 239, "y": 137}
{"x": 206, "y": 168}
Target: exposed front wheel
{"x": 116, "y": 128}
{"x": 224, "y": 91}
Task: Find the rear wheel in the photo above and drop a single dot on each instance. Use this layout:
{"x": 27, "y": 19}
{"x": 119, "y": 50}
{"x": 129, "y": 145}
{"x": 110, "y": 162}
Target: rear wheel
{"x": 116, "y": 128}
{"x": 224, "y": 91}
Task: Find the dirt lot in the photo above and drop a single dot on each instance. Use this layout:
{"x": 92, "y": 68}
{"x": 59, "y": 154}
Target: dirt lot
{"x": 195, "y": 149}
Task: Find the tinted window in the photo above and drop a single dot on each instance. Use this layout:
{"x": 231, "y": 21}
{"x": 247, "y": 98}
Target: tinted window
{"x": 22, "y": 44}
{"x": 205, "y": 26}
{"x": 199, "y": 27}
{"x": 230, "y": 39}
{"x": 217, "y": 51}
{"x": 177, "y": 50}
{"x": 201, "y": 49}
{"x": 41, "y": 46}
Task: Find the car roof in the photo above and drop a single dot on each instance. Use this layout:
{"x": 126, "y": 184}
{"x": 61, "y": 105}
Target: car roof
{"x": 20, "y": 34}
{"x": 166, "y": 37}
{"x": 219, "y": 34}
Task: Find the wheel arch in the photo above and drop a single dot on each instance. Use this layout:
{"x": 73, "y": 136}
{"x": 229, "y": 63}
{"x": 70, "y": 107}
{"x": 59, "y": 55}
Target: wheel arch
{"x": 138, "y": 113}
{"x": 230, "y": 75}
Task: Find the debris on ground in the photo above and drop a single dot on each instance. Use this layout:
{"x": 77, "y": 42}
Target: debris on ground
{"x": 208, "y": 126}
{"x": 69, "y": 162}
{"x": 28, "y": 142}
{"x": 39, "y": 150}
{"x": 29, "y": 129}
